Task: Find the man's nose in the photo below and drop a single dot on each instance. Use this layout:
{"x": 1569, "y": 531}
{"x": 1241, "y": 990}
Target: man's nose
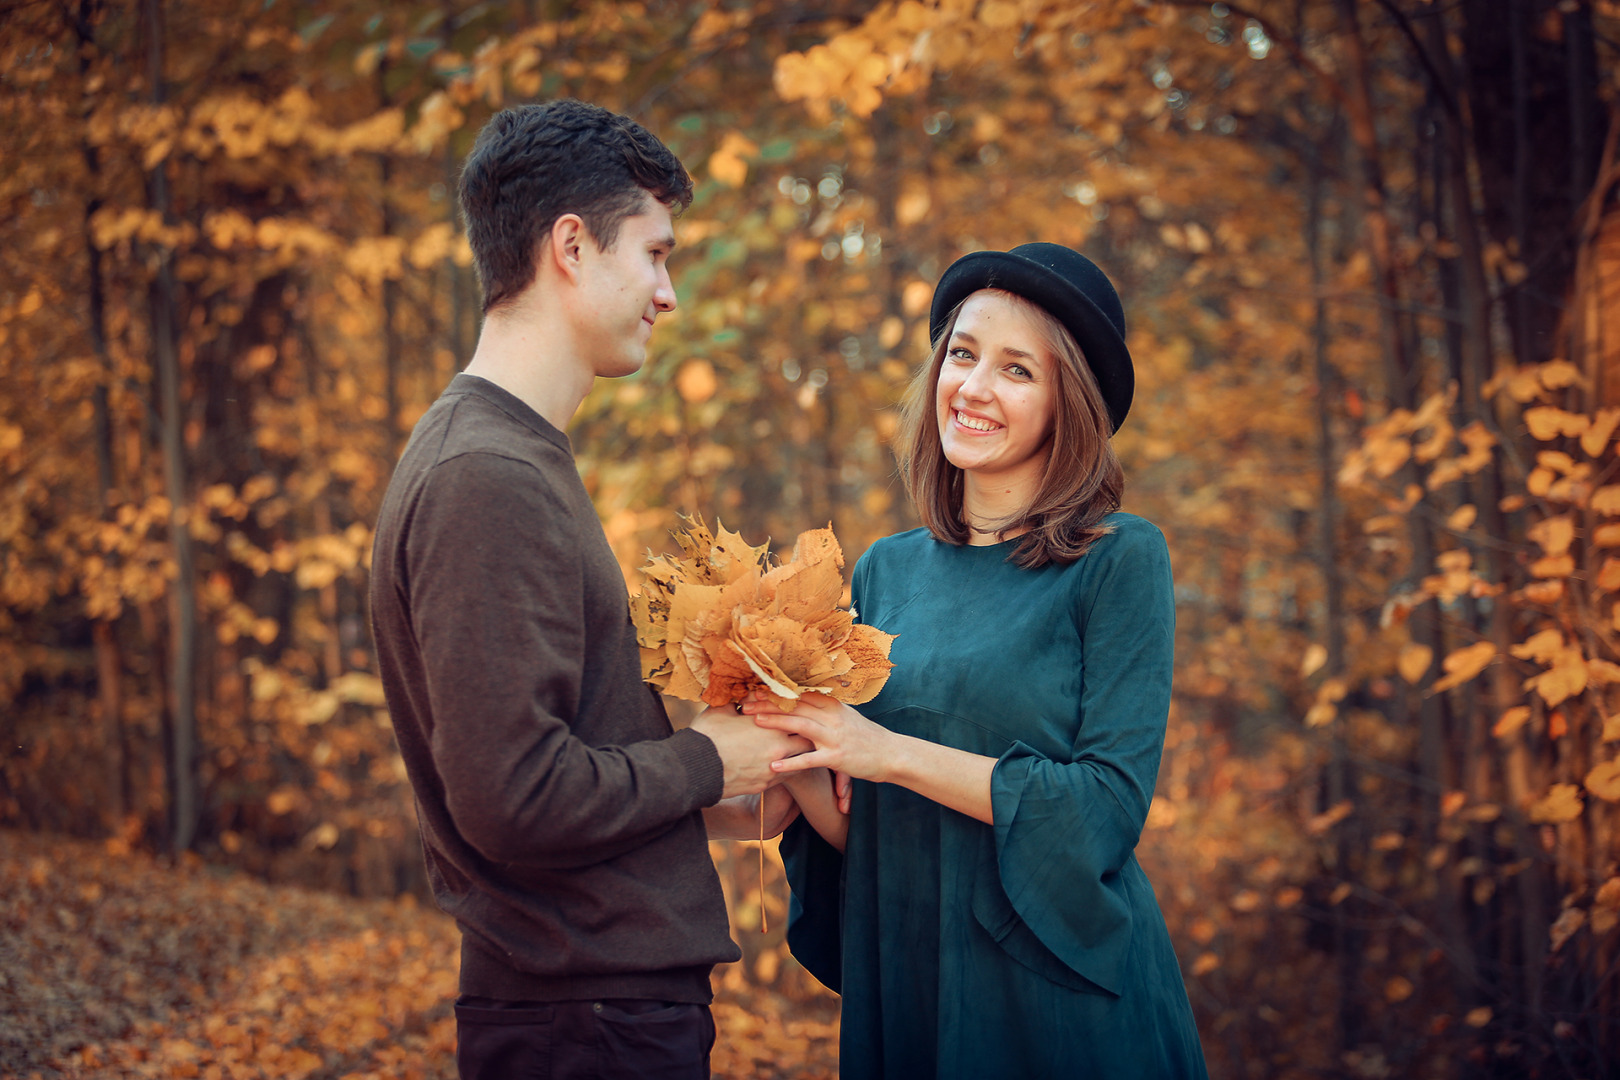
{"x": 664, "y": 298}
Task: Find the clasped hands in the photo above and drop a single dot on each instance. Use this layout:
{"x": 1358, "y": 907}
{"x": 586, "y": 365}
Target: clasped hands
{"x": 775, "y": 756}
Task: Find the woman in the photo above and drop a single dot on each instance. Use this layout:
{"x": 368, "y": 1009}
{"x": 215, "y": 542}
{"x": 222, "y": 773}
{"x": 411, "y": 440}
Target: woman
{"x": 981, "y": 908}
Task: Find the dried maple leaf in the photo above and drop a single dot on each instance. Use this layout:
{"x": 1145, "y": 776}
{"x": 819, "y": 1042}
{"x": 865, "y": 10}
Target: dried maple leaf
{"x": 714, "y": 624}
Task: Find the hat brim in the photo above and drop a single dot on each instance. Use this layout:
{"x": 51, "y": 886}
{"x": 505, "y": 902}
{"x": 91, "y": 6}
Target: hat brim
{"x": 1100, "y": 342}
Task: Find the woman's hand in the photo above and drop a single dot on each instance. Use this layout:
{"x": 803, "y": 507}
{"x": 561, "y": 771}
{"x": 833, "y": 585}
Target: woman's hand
{"x": 846, "y": 741}
{"x": 852, "y": 745}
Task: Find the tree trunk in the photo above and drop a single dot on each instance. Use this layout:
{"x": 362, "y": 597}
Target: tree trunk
{"x": 183, "y": 809}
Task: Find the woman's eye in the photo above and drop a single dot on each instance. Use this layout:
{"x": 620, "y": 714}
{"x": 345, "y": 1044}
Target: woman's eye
{"x": 959, "y": 353}
{"x": 1019, "y": 370}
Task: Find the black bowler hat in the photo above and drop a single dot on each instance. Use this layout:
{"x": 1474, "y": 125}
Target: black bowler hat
{"x": 1068, "y": 285}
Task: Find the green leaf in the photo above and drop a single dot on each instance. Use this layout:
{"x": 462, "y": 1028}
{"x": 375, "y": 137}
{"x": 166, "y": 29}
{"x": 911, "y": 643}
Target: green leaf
{"x": 313, "y": 30}
{"x": 776, "y": 150}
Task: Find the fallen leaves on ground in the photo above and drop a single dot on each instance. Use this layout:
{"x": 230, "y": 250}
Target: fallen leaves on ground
{"x": 128, "y": 966}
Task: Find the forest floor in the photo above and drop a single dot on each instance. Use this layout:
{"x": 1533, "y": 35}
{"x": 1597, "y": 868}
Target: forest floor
{"x": 116, "y": 964}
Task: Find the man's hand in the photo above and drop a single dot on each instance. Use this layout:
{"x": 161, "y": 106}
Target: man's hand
{"x": 746, "y": 749}
{"x": 739, "y": 818}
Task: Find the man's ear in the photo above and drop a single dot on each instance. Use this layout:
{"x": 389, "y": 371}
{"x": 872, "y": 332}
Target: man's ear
{"x": 564, "y": 250}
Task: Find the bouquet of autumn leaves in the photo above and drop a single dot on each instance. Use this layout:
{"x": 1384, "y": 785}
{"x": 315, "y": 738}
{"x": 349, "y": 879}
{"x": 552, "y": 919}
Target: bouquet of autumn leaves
{"x": 716, "y": 622}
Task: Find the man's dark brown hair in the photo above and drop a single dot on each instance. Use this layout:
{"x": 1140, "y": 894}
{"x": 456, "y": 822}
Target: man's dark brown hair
{"x": 534, "y": 163}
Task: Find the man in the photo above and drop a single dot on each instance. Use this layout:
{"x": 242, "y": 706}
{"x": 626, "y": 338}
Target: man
{"x": 563, "y": 822}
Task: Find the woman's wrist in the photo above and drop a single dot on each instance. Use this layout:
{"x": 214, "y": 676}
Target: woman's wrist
{"x": 898, "y": 760}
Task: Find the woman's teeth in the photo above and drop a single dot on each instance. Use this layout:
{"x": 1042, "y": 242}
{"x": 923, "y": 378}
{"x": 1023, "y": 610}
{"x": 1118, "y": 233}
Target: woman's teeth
{"x": 974, "y": 423}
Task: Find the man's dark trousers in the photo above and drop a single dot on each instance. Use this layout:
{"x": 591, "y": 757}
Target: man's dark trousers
{"x": 607, "y": 1039}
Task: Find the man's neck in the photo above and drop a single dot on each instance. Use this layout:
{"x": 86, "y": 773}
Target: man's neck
{"x": 533, "y": 357}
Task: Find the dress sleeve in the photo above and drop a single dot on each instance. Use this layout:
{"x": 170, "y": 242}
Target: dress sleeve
{"x": 1064, "y": 830}
{"x": 497, "y": 605}
{"x": 815, "y": 873}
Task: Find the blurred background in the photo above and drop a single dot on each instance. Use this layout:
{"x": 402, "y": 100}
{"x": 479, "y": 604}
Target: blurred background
{"x": 1370, "y": 256}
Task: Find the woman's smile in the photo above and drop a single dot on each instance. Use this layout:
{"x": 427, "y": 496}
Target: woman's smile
{"x": 976, "y": 423}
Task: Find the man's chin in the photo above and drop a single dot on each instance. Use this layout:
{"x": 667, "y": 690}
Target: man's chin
{"x": 627, "y": 365}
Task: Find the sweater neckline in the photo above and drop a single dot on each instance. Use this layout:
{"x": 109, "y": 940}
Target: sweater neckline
{"x": 512, "y": 405}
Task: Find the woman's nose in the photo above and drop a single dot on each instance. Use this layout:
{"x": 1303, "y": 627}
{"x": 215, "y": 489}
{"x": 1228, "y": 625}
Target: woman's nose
{"x": 977, "y": 384}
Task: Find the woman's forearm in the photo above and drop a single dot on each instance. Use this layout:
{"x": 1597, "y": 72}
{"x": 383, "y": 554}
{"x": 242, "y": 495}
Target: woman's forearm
{"x": 813, "y": 791}
{"x": 950, "y": 777}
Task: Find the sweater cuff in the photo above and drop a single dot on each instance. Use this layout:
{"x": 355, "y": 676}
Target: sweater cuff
{"x": 705, "y": 773}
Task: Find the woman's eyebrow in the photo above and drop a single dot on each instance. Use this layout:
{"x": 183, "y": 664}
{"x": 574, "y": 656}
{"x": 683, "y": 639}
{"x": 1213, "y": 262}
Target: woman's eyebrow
{"x": 971, "y": 340}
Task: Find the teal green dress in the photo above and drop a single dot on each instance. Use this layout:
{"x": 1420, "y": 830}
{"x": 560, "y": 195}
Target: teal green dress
{"x": 1034, "y": 947}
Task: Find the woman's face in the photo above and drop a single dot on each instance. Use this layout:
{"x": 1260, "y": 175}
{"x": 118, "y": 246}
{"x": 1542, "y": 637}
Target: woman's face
{"x": 997, "y": 391}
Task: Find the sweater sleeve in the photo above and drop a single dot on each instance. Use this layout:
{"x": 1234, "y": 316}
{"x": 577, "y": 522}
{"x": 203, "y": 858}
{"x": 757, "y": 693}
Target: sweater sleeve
{"x": 496, "y": 601}
{"x": 1065, "y": 829}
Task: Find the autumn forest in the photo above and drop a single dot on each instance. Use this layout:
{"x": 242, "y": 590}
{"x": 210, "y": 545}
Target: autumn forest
{"x": 1370, "y": 257}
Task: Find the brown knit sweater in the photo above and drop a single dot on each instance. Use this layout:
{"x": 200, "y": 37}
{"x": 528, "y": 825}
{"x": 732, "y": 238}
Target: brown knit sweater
{"x": 559, "y": 812}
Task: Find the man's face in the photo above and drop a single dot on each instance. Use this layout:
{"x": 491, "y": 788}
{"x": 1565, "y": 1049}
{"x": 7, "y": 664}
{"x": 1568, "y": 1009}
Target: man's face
{"x": 622, "y": 290}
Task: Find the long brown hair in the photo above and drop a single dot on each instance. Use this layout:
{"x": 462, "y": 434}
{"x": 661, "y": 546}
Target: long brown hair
{"x": 1082, "y": 482}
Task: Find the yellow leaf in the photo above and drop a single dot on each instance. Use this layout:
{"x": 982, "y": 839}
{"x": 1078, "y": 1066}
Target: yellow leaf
{"x": 1561, "y": 804}
{"x": 1452, "y": 802}
{"x": 1205, "y": 964}
{"x": 1511, "y": 721}
{"x": 1554, "y": 534}
{"x": 1398, "y": 989}
{"x": 1465, "y": 663}
{"x": 1540, "y": 647}
{"x": 728, "y": 164}
{"x": 1611, "y": 729}
{"x": 1315, "y": 657}
{"x": 1566, "y": 677}
{"x": 1414, "y": 662}
{"x": 1596, "y": 437}
{"x": 1606, "y": 500}
{"x": 1543, "y": 592}
{"x": 1603, "y": 672}
{"x": 912, "y": 206}
{"x": 1606, "y": 536}
{"x": 1604, "y": 781}
{"x": 1554, "y": 566}
{"x": 1463, "y": 517}
{"x": 1559, "y": 374}
{"x": 1478, "y": 1018}
{"x": 1606, "y": 907}
{"x": 697, "y": 381}
{"x": 1546, "y": 423}
{"x": 1570, "y": 920}
{"x": 1324, "y": 821}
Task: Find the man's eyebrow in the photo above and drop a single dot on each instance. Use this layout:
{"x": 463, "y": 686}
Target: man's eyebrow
{"x": 667, "y": 240}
